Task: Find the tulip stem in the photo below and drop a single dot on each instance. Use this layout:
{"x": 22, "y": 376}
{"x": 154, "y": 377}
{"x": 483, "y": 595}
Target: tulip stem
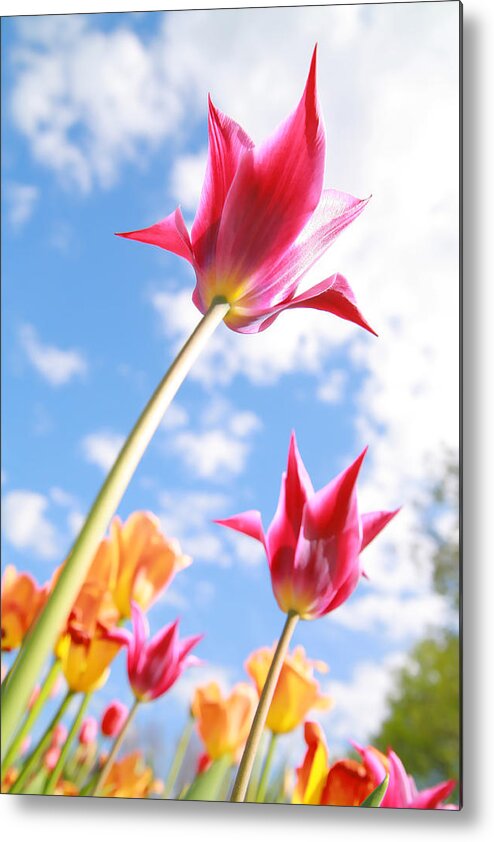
{"x": 263, "y": 783}
{"x": 57, "y": 771}
{"x": 257, "y": 727}
{"x": 42, "y": 745}
{"x": 31, "y": 717}
{"x": 42, "y": 637}
{"x": 100, "y": 783}
{"x": 178, "y": 759}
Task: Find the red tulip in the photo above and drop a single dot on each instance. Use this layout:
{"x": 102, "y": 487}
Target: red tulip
{"x": 89, "y": 731}
{"x": 263, "y": 221}
{"x": 114, "y": 717}
{"x": 314, "y": 542}
{"x": 154, "y": 665}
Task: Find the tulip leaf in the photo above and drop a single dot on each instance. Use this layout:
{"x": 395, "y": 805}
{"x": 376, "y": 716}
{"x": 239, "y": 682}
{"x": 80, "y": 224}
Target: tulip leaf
{"x": 210, "y": 785}
{"x": 377, "y": 795}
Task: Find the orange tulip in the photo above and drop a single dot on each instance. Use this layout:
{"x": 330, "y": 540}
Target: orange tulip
{"x": 83, "y": 650}
{"x": 297, "y": 691}
{"x": 22, "y": 600}
{"x": 224, "y": 723}
{"x": 147, "y": 561}
{"x": 346, "y": 783}
{"x": 129, "y": 778}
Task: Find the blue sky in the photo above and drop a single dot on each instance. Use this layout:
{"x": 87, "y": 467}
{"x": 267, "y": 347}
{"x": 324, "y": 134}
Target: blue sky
{"x": 104, "y": 129}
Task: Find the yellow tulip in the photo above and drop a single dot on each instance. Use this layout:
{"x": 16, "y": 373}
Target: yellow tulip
{"x": 297, "y": 691}
{"x": 82, "y": 649}
{"x": 147, "y": 561}
{"x": 22, "y": 600}
{"x": 224, "y": 723}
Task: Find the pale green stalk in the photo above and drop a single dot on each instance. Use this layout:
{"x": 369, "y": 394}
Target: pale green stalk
{"x": 42, "y": 637}
{"x": 100, "y": 783}
{"x": 42, "y": 746}
{"x": 57, "y": 771}
{"x": 178, "y": 759}
{"x": 263, "y": 783}
{"x": 257, "y": 727}
{"x": 31, "y": 717}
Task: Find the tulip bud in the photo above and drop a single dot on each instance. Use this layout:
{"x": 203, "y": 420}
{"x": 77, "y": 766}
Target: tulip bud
{"x": 50, "y": 759}
{"x": 113, "y": 719}
{"x": 89, "y": 731}
{"x": 59, "y": 735}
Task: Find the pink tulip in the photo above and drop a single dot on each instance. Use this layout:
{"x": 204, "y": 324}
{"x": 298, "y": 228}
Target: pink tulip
{"x": 315, "y": 538}
{"x": 59, "y": 734}
{"x": 263, "y": 221}
{"x": 402, "y": 791}
{"x": 114, "y": 717}
{"x": 51, "y": 757}
{"x": 89, "y": 731}
{"x": 154, "y": 665}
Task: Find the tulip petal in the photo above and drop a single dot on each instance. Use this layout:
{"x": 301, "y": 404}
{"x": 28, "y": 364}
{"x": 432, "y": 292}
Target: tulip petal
{"x": 335, "y": 211}
{"x": 373, "y": 523}
{"x": 227, "y": 143}
{"x": 282, "y": 534}
{"x": 276, "y": 189}
{"x": 333, "y": 295}
{"x": 170, "y": 234}
{"x": 249, "y": 523}
{"x": 399, "y": 792}
{"x": 432, "y": 798}
{"x": 329, "y": 509}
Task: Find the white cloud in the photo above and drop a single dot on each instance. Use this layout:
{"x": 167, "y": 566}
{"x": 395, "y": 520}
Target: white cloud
{"x": 218, "y": 450}
{"x": 56, "y": 366}
{"x": 102, "y": 448}
{"x": 175, "y": 416}
{"x": 21, "y": 201}
{"x": 88, "y": 101}
{"x": 301, "y": 341}
{"x": 332, "y": 388}
{"x": 187, "y": 178}
{"x": 61, "y": 497}
{"x": 394, "y": 617}
{"x": 360, "y": 704}
{"x": 26, "y": 526}
{"x": 75, "y": 521}
{"x": 183, "y": 690}
{"x": 188, "y": 516}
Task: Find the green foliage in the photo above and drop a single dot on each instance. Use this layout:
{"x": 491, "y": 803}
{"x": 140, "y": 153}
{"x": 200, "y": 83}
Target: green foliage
{"x": 376, "y": 797}
{"x": 423, "y": 723}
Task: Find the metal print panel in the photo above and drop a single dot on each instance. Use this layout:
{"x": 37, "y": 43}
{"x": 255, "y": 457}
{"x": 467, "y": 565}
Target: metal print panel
{"x": 230, "y": 475}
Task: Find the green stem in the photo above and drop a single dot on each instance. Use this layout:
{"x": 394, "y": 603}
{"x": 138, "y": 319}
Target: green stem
{"x": 42, "y": 637}
{"x": 57, "y": 771}
{"x": 263, "y": 783}
{"x": 178, "y": 760}
{"x": 31, "y": 718}
{"x": 42, "y": 746}
{"x": 113, "y": 753}
{"x": 248, "y": 757}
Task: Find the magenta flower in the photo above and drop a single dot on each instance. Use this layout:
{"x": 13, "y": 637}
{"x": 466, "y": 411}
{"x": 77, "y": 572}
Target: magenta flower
{"x": 402, "y": 791}
{"x": 114, "y": 718}
{"x": 154, "y": 665}
{"x": 263, "y": 220}
{"x": 314, "y": 542}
